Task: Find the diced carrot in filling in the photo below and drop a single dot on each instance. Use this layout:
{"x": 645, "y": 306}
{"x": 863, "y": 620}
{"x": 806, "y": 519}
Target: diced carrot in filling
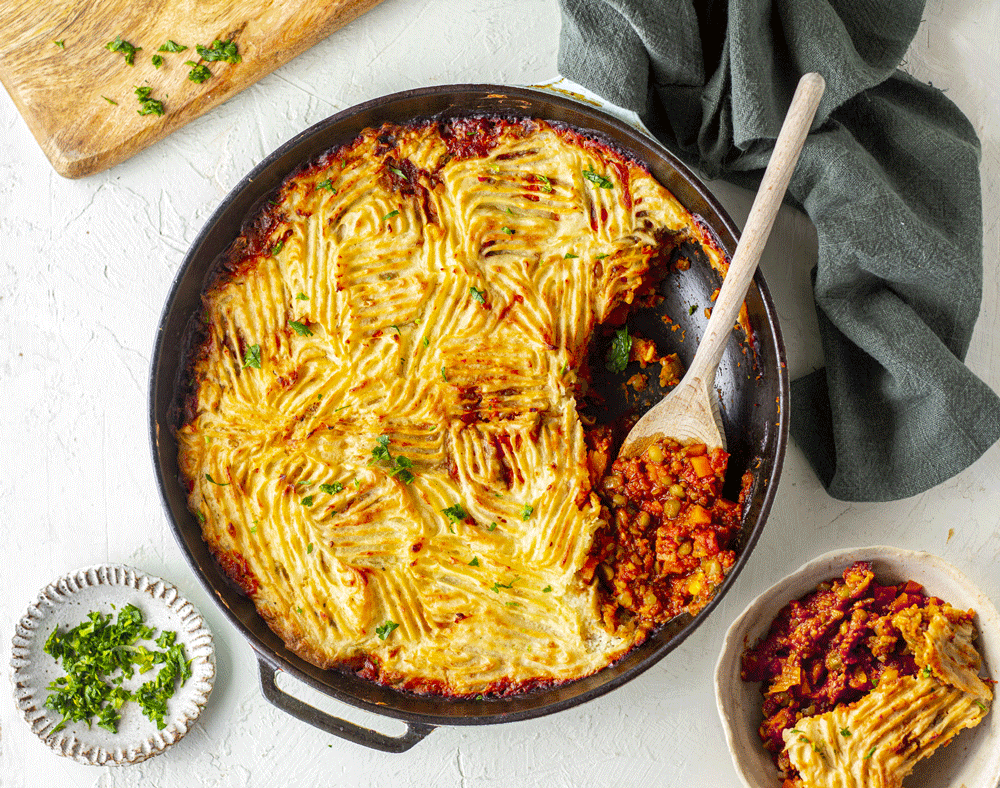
{"x": 702, "y": 466}
{"x": 699, "y": 515}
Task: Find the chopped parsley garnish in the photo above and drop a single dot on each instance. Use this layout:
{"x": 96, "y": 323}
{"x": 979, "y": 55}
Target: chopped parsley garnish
{"x": 398, "y": 172}
{"x": 331, "y": 489}
{"x": 166, "y": 639}
{"x": 98, "y": 655}
{"x": 308, "y": 500}
{"x": 981, "y": 705}
{"x": 301, "y": 297}
{"x": 845, "y": 732}
{"x": 327, "y": 184}
{"x": 201, "y": 517}
{"x": 251, "y": 357}
{"x": 927, "y": 671}
{"x": 692, "y": 309}
{"x": 123, "y": 46}
{"x": 395, "y": 328}
{"x": 398, "y": 465}
{"x": 225, "y": 51}
{"x": 300, "y": 328}
{"x": 478, "y": 295}
{"x": 474, "y": 561}
{"x": 157, "y": 61}
{"x": 526, "y": 511}
{"x": 199, "y": 72}
{"x": 599, "y": 180}
{"x": 617, "y": 358}
{"x": 390, "y": 215}
{"x": 277, "y": 248}
{"x": 455, "y": 513}
{"x": 492, "y": 526}
{"x": 443, "y": 375}
{"x": 61, "y": 43}
{"x": 381, "y": 452}
{"x": 309, "y": 548}
{"x": 426, "y": 342}
{"x": 498, "y": 585}
{"x": 547, "y": 590}
{"x": 110, "y": 100}
{"x": 570, "y": 256}
{"x": 507, "y": 230}
{"x": 512, "y": 604}
{"x": 871, "y": 752}
{"x": 599, "y": 256}
{"x": 383, "y": 630}
{"x": 147, "y": 105}
{"x": 213, "y": 481}
{"x": 172, "y": 46}
{"x": 546, "y": 184}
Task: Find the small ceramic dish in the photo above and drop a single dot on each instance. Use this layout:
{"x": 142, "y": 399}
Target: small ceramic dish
{"x": 971, "y": 760}
{"x": 64, "y": 604}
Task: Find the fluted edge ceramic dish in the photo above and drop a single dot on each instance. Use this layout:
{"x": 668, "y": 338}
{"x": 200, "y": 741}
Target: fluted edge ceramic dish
{"x": 971, "y": 760}
{"x": 66, "y": 603}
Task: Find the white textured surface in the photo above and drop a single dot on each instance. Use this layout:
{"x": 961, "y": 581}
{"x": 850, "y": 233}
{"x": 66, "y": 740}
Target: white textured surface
{"x": 85, "y": 267}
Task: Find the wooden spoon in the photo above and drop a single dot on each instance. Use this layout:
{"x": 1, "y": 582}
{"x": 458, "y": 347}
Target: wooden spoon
{"x": 690, "y": 412}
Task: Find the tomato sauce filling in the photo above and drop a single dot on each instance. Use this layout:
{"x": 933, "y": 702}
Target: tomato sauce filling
{"x": 668, "y": 542}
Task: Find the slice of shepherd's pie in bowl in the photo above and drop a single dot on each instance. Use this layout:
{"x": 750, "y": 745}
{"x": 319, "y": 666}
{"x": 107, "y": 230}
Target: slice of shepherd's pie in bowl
{"x": 855, "y": 671}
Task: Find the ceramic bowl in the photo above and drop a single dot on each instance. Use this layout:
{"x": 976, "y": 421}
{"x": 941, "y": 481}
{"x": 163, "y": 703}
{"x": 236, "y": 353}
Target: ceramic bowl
{"x": 65, "y": 603}
{"x": 971, "y": 760}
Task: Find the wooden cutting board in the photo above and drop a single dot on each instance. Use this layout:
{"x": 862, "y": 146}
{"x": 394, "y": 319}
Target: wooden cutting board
{"x": 65, "y": 92}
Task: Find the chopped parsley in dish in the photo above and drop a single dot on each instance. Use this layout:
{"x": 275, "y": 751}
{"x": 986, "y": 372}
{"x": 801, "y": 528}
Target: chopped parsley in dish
{"x": 100, "y": 654}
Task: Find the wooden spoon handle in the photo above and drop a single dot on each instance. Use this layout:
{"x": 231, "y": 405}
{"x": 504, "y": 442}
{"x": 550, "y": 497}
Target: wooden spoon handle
{"x": 754, "y": 237}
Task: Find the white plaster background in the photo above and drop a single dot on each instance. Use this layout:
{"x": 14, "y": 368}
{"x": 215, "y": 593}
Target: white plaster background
{"x": 85, "y": 267}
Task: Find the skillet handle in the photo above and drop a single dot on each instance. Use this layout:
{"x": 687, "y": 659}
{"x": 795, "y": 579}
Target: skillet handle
{"x": 415, "y": 731}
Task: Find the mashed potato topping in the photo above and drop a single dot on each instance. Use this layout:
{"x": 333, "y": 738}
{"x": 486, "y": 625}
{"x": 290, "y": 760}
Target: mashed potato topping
{"x": 381, "y": 434}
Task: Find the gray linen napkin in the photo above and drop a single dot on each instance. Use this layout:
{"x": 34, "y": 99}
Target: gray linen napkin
{"x": 890, "y": 178}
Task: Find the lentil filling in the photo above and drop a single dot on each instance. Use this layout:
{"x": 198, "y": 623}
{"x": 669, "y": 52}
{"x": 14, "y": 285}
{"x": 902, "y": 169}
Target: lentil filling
{"x": 667, "y": 544}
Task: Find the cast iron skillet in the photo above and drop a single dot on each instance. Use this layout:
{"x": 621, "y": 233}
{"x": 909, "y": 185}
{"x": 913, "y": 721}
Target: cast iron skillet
{"x": 753, "y": 386}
